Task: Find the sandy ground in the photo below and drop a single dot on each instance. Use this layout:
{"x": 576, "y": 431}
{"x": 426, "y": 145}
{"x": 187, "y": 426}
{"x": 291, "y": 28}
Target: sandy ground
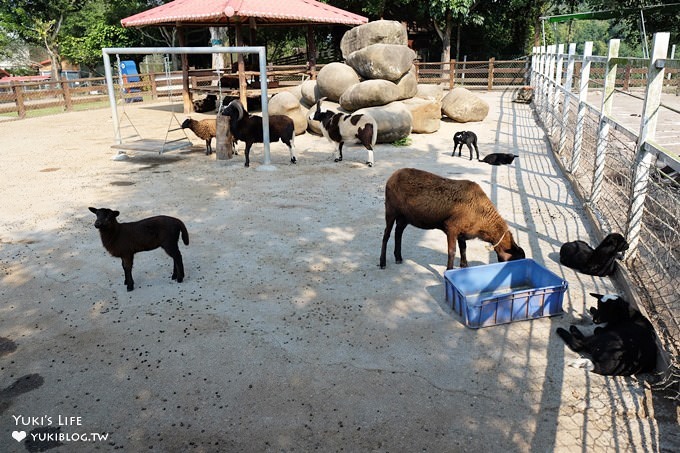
{"x": 286, "y": 335}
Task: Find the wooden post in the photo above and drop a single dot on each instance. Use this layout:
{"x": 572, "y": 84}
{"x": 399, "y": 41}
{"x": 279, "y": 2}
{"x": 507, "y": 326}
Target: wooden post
{"x": 224, "y": 145}
{"x": 643, "y": 158}
{"x": 490, "y": 76}
{"x": 582, "y": 98}
{"x": 242, "y": 83}
{"x": 311, "y": 50}
{"x": 452, "y": 74}
{"x": 154, "y": 85}
{"x": 18, "y": 90}
{"x": 66, "y": 93}
{"x": 569, "y": 81}
{"x": 186, "y": 93}
{"x": 605, "y": 114}
{"x": 626, "y": 77}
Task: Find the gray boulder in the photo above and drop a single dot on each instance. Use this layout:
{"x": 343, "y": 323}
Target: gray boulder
{"x": 369, "y": 93}
{"x": 426, "y": 114}
{"x": 285, "y": 103}
{"x": 394, "y": 121}
{"x": 310, "y": 92}
{"x": 379, "y": 31}
{"x": 429, "y": 91}
{"x": 408, "y": 85}
{"x": 334, "y": 78}
{"x": 382, "y": 61}
{"x": 463, "y": 106}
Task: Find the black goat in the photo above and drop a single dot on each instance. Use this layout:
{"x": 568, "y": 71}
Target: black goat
{"x": 600, "y": 262}
{"x": 626, "y": 345}
{"x": 123, "y": 240}
{"x": 207, "y": 104}
{"x": 339, "y": 128}
{"x": 248, "y": 128}
{"x": 468, "y": 138}
{"x": 499, "y": 158}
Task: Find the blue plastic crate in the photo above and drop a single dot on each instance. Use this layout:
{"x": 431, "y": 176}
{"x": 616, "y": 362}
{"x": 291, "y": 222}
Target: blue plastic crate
{"x": 500, "y": 293}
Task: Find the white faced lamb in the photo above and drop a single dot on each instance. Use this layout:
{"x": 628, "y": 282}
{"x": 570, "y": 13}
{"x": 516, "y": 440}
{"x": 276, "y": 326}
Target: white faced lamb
{"x": 339, "y": 128}
{"x": 248, "y": 128}
{"x": 123, "y": 240}
{"x": 205, "y": 129}
{"x": 459, "y": 208}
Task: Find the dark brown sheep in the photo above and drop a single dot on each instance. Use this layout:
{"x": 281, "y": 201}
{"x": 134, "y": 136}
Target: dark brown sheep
{"x": 459, "y": 208}
{"x": 123, "y": 240}
{"x": 205, "y": 129}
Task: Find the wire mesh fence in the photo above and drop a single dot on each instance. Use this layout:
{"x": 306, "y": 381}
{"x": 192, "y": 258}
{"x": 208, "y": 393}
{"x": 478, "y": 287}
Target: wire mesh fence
{"x": 608, "y": 162}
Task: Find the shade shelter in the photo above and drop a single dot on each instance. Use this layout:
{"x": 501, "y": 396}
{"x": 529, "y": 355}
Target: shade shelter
{"x": 237, "y": 13}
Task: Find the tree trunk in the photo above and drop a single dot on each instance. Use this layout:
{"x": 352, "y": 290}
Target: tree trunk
{"x": 218, "y": 38}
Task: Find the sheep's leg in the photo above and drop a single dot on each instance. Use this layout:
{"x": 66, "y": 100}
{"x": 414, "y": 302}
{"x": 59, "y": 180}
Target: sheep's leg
{"x": 339, "y": 150}
{"x": 570, "y": 341}
{"x": 462, "y": 245}
{"x": 476, "y": 149}
{"x": 291, "y": 148}
{"x": 248, "y": 145}
{"x": 470, "y": 148}
{"x": 208, "y": 148}
{"x": 398, "y": 232}
{"x": 178, "y": 266}
{"x": 389, "y": 223}
{"x": 370, "y": 162}
{"x": 127, "y": 269}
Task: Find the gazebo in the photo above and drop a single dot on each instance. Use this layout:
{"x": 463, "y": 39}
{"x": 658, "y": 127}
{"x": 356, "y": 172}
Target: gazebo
{"x": 183, "y": 14}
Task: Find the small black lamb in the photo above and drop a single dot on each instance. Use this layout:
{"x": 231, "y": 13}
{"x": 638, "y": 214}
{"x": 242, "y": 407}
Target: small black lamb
{"x": 468, "y": 138}
{"x": 626, "y": 345}
{"x": 600, "y": 262}
{"x": 499, "y": 158}
{"x": 123, "y": 240}
{"x": 248, "y": 128}
{"x": 205, "y": 129}
{"x": 207, "y": 104}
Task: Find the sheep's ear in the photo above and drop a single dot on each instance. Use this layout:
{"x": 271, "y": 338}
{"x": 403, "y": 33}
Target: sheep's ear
{"x": 92, "y": 210}
{"x": 115, "y": 213}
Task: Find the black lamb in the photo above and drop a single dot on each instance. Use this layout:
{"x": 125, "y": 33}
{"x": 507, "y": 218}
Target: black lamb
{"x": 248, "y": 128}
{"x": 123, "y": 240}
{"x": 600, "y": 262}
{"x": 468, "y": 138}
{"x": 499, "y": 158}
{"x": 207, "y": 104}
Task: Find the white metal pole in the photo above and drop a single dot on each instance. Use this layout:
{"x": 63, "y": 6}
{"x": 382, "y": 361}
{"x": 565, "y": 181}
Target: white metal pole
{"x": 582, "y": 98}
{"x": 112, "y": 98}
{"x": 644, "y": 158}
{"x": 567, "y": 96}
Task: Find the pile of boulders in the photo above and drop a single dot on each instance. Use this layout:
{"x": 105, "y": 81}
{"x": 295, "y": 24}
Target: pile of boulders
{"x": 378, "y": 77}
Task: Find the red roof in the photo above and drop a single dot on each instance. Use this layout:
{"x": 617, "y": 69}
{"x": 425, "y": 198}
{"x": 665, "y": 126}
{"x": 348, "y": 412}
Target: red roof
{"x": 212, "y": 12}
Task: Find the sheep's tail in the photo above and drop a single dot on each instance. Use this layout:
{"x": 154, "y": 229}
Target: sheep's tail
{"x": 185, "y": 233}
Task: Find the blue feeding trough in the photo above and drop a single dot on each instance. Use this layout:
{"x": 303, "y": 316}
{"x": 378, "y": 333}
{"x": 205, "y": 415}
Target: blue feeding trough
{"x": 128, "y": 69}
{"x": 500, "y": 293}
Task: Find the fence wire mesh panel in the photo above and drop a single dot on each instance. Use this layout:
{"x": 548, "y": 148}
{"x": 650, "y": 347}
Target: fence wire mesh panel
{"x": 604, "y": 159}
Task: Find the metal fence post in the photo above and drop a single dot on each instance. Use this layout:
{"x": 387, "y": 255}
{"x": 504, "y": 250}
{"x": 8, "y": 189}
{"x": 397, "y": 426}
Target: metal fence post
{"x": 567, "y": 96}
{"x": 643, "y": 158}
{"x": 605, "y": 114}
{"x": 582, "y": 98}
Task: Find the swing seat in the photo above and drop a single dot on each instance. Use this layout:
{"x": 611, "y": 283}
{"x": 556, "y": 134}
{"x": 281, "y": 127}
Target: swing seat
{"x": 154, "y": 145}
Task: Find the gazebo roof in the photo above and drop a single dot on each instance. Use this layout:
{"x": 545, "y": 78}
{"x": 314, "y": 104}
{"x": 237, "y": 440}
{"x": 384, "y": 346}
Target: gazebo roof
{"x": 224, "y": 12}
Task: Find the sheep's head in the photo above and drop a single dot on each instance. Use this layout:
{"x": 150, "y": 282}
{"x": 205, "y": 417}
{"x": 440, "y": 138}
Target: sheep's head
{"x": 319, "y": 114}
{"x": 186, "y": 123}
{"x": 508, "y": 250}
{"x": 105, "y": 217}
{"x": 610, "y": 308}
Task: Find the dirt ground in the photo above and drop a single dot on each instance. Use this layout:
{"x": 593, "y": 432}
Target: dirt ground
{"x": 286, "y": 336}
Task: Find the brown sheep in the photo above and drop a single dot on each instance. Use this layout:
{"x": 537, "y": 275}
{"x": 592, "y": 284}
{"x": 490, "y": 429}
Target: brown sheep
{"x": 205, "y": 129}
{"x": 123, "y": 240}
{"x": 459, "y": 208}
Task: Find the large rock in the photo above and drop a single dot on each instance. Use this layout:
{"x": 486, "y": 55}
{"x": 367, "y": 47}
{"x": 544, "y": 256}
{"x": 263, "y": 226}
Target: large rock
{"x": 394, "y": 121}
{"x": 368, "y": 94}
{"x": 429, "y": 91}
{"x": 288, "y": 104}
{"x": 379, "y": 31}
{"x": 310, "y": 92}
{"x": 426, "y": 114}
{"x": 334, "y": 78}
{"x": 382, "y": 61}
{"x": 463, "y": 106}
{"x": 408, "y": 85}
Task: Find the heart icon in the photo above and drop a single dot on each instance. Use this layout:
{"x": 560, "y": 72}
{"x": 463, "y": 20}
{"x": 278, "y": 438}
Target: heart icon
{"x": 19, "y": 435}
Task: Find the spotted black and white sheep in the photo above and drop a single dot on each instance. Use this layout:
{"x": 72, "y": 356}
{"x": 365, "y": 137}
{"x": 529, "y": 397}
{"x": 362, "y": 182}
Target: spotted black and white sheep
{"x": 339, "y": 128}
{"x": 205, "y": 129}
{"x": 123, "y": 240}
{"x": 459, "y": 208}
{"x": 248, "y": 128}
{"x": 207, "y": 104}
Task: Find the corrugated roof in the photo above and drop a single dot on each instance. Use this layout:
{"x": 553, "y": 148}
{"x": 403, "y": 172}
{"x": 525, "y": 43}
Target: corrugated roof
{"x": 213, "y": 12}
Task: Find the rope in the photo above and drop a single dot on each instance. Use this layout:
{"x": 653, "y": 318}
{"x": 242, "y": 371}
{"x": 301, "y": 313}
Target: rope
{"x": 499, "y": 241}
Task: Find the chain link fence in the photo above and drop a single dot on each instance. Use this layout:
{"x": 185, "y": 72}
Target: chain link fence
{"x": 594, "y": 110}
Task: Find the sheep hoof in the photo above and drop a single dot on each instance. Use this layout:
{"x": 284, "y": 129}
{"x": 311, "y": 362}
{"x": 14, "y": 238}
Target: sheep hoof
{"x": 338, "y": 159}
{"x": 130, "y": 288}
{"x": 293, "y": 160}
{"x": 370, "y": 164}
{"x": 399, "y": 261}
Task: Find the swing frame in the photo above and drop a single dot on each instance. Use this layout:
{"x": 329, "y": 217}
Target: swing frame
{"x": 153, "y": 144}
